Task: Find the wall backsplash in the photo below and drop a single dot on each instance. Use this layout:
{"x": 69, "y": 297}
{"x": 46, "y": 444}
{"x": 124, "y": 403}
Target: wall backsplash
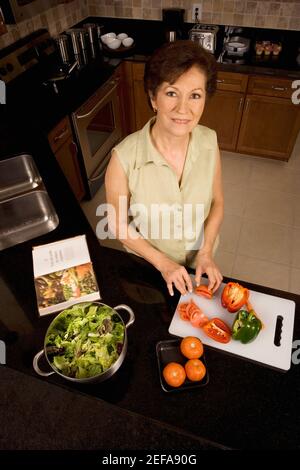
{"x": 55, "y": 19}
{"x": 260, "y": 14}
{"x": 265, "y": 14}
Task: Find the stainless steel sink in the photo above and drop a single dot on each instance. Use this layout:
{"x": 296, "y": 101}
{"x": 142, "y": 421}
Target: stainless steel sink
{"x": 18, "y": 175}
{"x": 26, "y": 210}
{"x": 25, "y": 217}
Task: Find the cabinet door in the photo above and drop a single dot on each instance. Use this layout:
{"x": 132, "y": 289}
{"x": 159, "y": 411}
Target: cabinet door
{"x": 143, "y": 111}
{"x": 269, "y": 127}
{"x": 223, "y": 113}
{"x": 67, "y": 159}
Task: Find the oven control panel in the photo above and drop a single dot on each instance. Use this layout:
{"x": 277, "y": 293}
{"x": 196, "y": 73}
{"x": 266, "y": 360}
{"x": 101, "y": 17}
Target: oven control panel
{"x": 25, "y": 57}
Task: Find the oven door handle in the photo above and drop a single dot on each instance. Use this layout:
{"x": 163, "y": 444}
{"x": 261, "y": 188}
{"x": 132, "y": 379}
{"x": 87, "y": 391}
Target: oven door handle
{"x": 96, "y": 178}
{"x": 114, "y": 84}
{"x": 101, "y": 169}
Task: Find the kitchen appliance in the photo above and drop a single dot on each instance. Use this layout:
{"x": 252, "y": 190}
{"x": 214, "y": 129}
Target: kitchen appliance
{"x": 15, "y": 11}
{"x": 171, "y": 36}
{"x": 205, "y": 35}
{"x": 92, "y": 32}
{"x": 26, "y": 54}
{"x": 173, "y": 20}
{"x": 98, "y": 128}
{"x": 79, "y": 39}
{"x": 273, "y": 345}
{"x": 62, "y": 42}
{"x": 97, "y": 378}
{"x": 237, "y": 46}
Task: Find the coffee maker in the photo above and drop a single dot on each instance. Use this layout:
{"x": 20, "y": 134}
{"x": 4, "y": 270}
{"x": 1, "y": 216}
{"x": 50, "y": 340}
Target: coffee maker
{"x": 173, "y": 20}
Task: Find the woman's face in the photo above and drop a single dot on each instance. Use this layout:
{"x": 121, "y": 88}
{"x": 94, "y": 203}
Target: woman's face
{"x": 180, "y": 105}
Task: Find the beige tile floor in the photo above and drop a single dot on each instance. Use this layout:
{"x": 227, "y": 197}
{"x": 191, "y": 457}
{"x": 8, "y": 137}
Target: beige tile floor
{"x": 260, "y": 235}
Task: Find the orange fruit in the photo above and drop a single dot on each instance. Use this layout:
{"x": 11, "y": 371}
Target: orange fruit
{"x": 191, "y": 347}
{"x": 174, "y": 374}
{"x": 195, "y": 370}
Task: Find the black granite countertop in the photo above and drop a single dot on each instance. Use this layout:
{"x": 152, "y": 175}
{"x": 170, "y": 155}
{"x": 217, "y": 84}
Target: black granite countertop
{"x": 149, "y": 35}
{"x": 244, "y": 405}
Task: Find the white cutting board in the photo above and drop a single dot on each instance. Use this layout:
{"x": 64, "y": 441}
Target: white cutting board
{"x": 262, "y": 349}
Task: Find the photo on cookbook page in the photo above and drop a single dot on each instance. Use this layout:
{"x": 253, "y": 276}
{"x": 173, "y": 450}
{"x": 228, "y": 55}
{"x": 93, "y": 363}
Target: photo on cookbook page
{"x": 68, "y": 284}
{"x": 63, "y": 275}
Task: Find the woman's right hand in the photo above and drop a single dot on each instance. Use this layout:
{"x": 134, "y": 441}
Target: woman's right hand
{"x": 174, "y": 273}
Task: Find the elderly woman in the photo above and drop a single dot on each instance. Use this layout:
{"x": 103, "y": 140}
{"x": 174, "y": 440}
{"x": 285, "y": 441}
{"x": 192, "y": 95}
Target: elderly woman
{"x": 168, "y": 174}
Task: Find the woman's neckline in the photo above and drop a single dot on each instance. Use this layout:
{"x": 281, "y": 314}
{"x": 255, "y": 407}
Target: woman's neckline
{"x": 172, "y": 164}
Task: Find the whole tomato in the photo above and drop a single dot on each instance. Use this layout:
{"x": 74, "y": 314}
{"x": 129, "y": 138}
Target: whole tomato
{"x": 195, "y": 370}
{"x": 191, "y": 347}
{"x": 174, "y": 374}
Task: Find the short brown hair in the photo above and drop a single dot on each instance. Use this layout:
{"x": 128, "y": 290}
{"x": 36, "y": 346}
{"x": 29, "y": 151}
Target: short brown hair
{"x": 173, "y": 59}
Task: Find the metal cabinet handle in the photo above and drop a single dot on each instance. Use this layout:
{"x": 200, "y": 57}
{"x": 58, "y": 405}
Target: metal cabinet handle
{"x": 247, "y": 105}
{"x": 73, "y": 148}
{"x": 62, "y": 133}
{"x": 240, "y": 105}
{"x": 220, "y": 81}
{"x": 279, "y": 88}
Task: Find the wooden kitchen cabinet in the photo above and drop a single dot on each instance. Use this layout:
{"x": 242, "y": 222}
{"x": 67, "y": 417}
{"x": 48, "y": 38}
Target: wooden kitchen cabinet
{"x": 270, "y": 122}
{"x": 223, "y": 111}
{"x": 65, "y": 150}
{"x": 251, "y": 114}
{"x": 142, "y": 110}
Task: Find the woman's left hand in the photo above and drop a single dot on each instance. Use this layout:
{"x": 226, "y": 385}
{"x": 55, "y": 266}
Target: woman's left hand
{"x": 205, "y": 264}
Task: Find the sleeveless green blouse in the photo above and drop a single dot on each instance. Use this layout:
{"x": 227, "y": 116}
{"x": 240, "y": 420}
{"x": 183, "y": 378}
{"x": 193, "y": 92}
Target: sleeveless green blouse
{"x": 169, "y": 214}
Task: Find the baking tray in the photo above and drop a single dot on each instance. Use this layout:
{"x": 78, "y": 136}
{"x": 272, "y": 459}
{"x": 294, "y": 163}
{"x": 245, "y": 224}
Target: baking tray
{"x": 18, "y": 175}
{"x": 25, "y": 217}
{"x": 169, "y": 351}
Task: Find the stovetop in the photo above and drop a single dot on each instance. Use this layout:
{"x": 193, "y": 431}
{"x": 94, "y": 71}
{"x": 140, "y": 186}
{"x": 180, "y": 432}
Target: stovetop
{"x": 44, "y": 90}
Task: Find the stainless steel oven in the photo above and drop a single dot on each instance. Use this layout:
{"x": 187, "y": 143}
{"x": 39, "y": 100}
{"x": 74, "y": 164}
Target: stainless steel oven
{"x": 98, "y": 128}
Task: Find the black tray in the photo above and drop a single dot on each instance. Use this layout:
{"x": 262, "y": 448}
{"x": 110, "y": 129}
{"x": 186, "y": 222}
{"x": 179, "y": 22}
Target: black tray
{"x": 169, "y": 351}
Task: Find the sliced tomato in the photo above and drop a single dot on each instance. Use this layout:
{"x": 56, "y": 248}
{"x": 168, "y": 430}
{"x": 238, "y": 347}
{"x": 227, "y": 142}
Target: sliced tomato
{"x": 182, "y": 309}
{"x": 204, "y": 291}
{"x": 198, "y": 319}
{"x": 191, "y": 308}
{"x": 218, "y": 330}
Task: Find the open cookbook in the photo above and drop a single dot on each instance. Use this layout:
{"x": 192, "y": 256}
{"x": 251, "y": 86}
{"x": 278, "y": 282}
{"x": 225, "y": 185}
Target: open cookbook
{"x": 63, "y": 275}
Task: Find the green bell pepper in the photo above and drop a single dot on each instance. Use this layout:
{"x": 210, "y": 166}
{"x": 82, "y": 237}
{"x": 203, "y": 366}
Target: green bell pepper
{"x": 246, "y": 326}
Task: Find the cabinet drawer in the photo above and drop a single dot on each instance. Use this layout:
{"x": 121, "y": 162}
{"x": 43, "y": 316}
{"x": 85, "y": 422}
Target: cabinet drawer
{"x": 227, "y": 81}
{"x": 61, "y": 132}
{"x": 266, "y": 86}
{"x": 138, "y": 71}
